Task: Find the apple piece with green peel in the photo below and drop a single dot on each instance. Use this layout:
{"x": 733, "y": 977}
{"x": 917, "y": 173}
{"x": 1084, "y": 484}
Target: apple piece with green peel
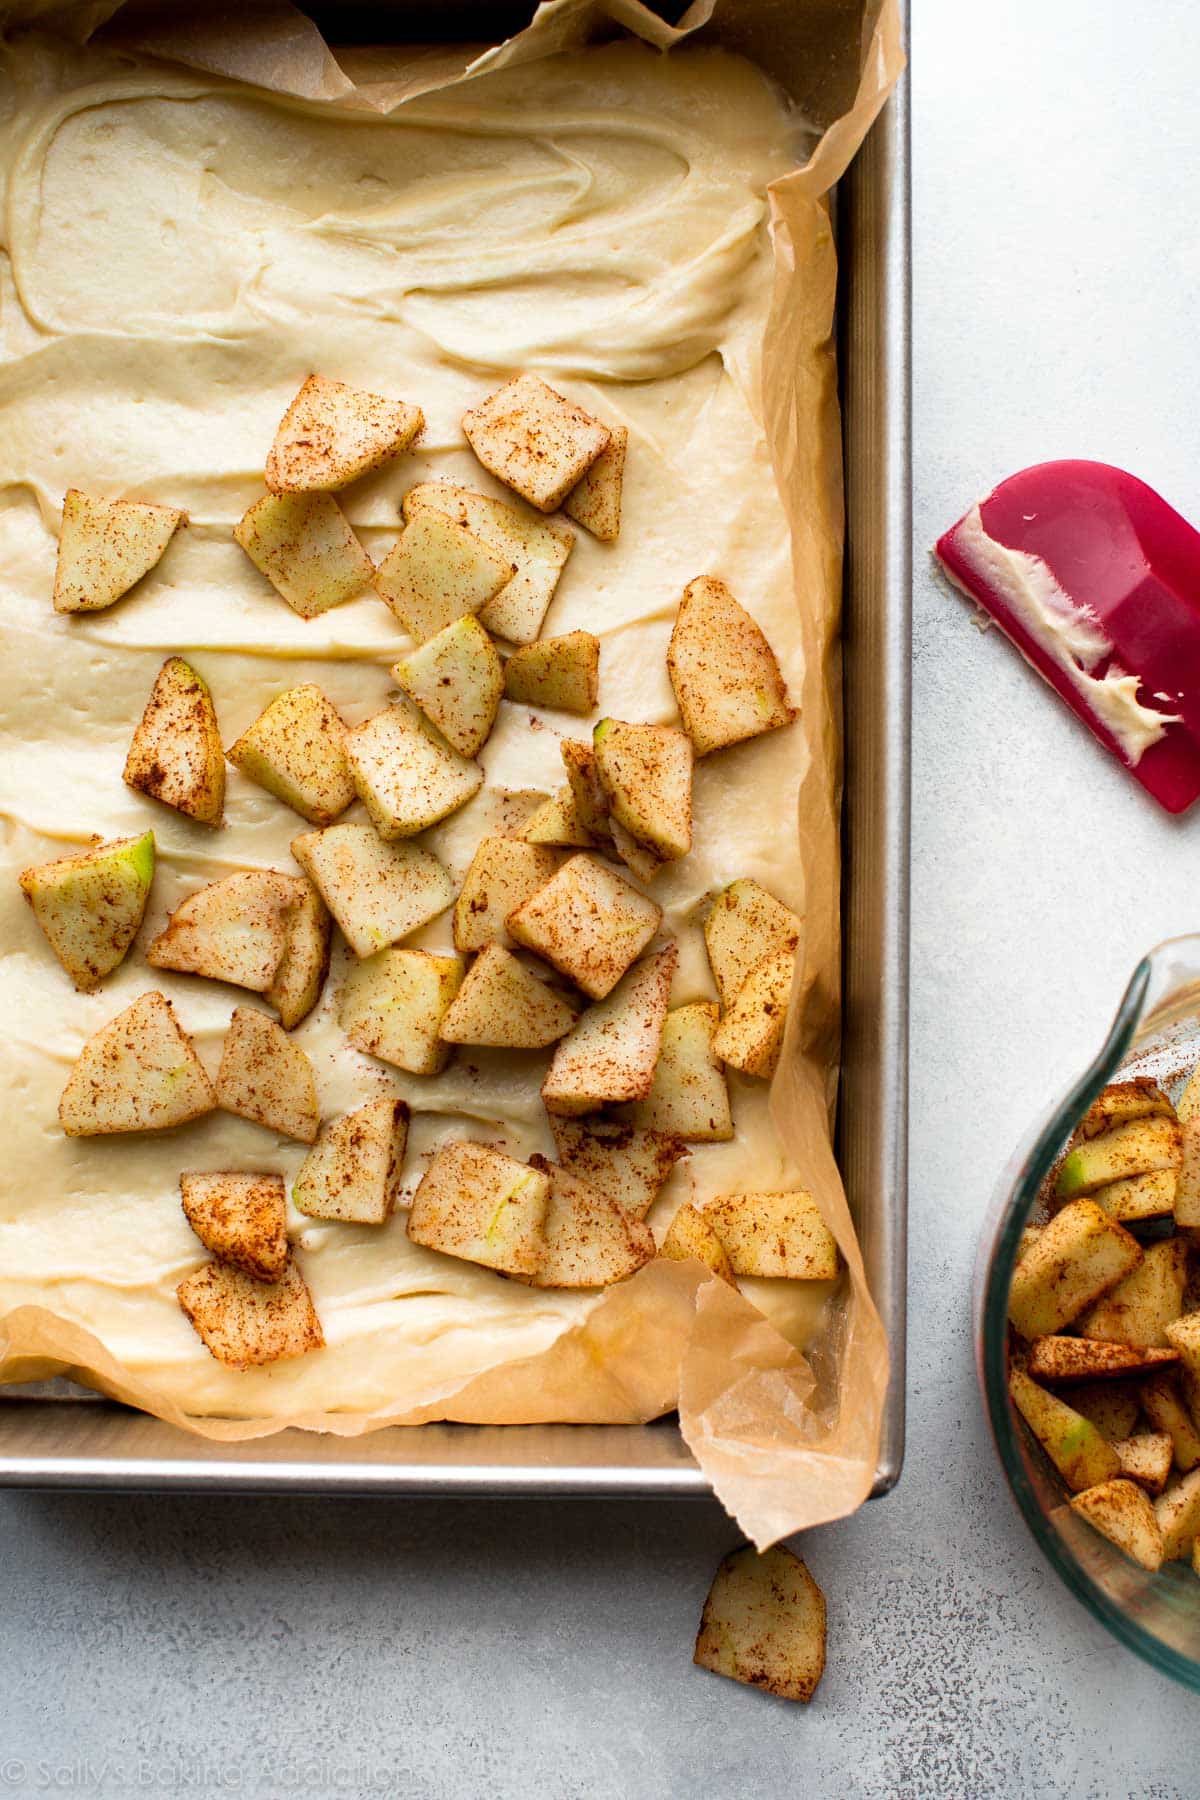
{"x": 727, "y": 681}
{"x": 537, "y": 548}
{"x": 646, "y": 774}
{"x": 106, "y": 546}
{"x": 377, "y": 892}
{"x": 750, "y": 1036}
{"x": 1082, "y": 1457}
{"x": 1079, "y": 1256}
{"x": 690, "y": 1234}
{"x": 234, "y": 930}
{"x": 689, "y": 1096}
{"x": 1121, "y": 1102}
{"x": 588, "y": 922}
{"x": 534, "y": 440}
{"x": 555, "y": 822}
{"x": 1120, "y": 1511}
{"x": 140, "y": 1072}
{"x": 562, "y": 673}
{"x": 1177, "y": 1510}
{"x": 265, "y": 1077}
{"x": 780, "y": 1236}
{"x": 1139, "y": 1196}
{"x": 407, "y": 780}
{"x": 1137, "y": 1148}
{"x": 1139, "y": 1308}
{"x": 587, "y": 790}
{"x": 1112, "y": 1406}
{"x": 90, "y": 906}
{"x": 352, "y": 1173}
{"x": 245, "y": 1323}
{"x": 475, "y": 1203}
{"x": 764, "y": 1624}
{"x": 296, "y": 750}
{"x": 305, "y": 546}
{"x": 242, "y": 1219}
{"x": 587, "y": 1239}
{"x": 1058, "y": 1358}
{"x": 504, "y": 873}
{"x": 610, "y": 1053}
{"x": 175, "y": 755}
{"x": 393, "y": 1005}
{"x": 1163, "y": 1403}
{"x": 595, "y": 500}
{"x": 331, "y": 434}
{"x": 456, "y": 678}
{"x": 297, "y": 982}
{"x": 744, "y": 925}
{"x": 502, "y": 1003}
{"x": 436, "y": 572}
{"x": 628, "y": 1165}
{"x": 1146, "y": 1459}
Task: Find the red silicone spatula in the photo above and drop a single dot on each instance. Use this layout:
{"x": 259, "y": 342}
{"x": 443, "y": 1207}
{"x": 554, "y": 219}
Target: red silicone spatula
{"x": 1104, "y": 585}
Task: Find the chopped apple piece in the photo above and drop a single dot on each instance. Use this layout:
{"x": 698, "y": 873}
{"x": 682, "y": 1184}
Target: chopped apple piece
{"x": 140, "y": 1072}
{"x": 297, "y": 982}
{"x": 744, "y": 925}
{"x": 1137, "y": 1148}
{"x": 689, "y": 1097}
{"x": 637, "y": 859}
{"x": 1139, "y": 1308}
{"x": 175, "y": 755}
{"x": 775, "y": 1235}
{"x": 235, "y": 930}
{"x": 1120, "y": 1511}
{"x": 393, "y": 1005}
{"x": 503, "y": 1003}
{"x": 1082, "y": 1457}
{"x": 245, "y": 1323}
{"x": 587, "y": 1239}
{"x": 1123, "y": 1101}
{"x": 534, "y": 440}
{"x": 562, "y": 673}
{"x": 1112, "y": 1406}
{"x": 536, "y": 547}
{"x": 646, "y": 774}
{"x": 1080, "y": 1359}
{"x": 242, "y": 1219}
{"x": 595, "y": 501}
{"x": 1185, "y": 1198}
{"x": 106, "y": 546}
{"x": 764, "y": 1624}
{"x": 306, "y": 548}
{"x": 1029, "y": 1238}
{"x": 1183, "y": 1334}
{"x": 456, "y": 679}
{"x": 1177, "y": 1510}
{"x": 1146, "y": 1459}
{"x": 690, "y": 1234}
{"x": 331, "y": 434}
{"x": 1163, "y": 1403}
{"x": 589, "y": 922}
{"x": 475, "y": 1203}
{"x": 436, "y": 572}
{"x": 296, "y": 749}
{"x": 610, "y": 1053}
{"x": 556, "y": 822}
{"x": 265, "y": 1077}
{"x": 405, "y": 779}
{"x": 504, "y": 873}
{"x": 750, "y": 1036}
{"x": 1079, "y": 1256}
{"x": 1139, "y": 1197}
{"x": 352, "y": 1172}
{"x": 1188, "y": 1105}
{"x": 587, "y": 790}
{"x": 90, "y": 905}
{"x": 628, "y": 1165}
{"x": 727, "y": 682}
{"x": 377, "y": 892}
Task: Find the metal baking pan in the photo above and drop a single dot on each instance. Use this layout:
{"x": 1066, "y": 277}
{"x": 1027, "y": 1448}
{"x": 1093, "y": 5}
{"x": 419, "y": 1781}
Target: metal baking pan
{"x": 55, "y": 1436}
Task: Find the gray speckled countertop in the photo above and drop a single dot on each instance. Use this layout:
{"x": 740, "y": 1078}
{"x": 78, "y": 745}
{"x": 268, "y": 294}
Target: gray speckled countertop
{"x": 454, "y": 1649}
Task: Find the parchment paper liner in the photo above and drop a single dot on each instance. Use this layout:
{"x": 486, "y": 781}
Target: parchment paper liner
{"x": 786, "y": 1442}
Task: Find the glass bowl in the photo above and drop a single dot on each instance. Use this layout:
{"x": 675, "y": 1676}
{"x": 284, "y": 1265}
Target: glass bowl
{"x": 1156, "y": 1032}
